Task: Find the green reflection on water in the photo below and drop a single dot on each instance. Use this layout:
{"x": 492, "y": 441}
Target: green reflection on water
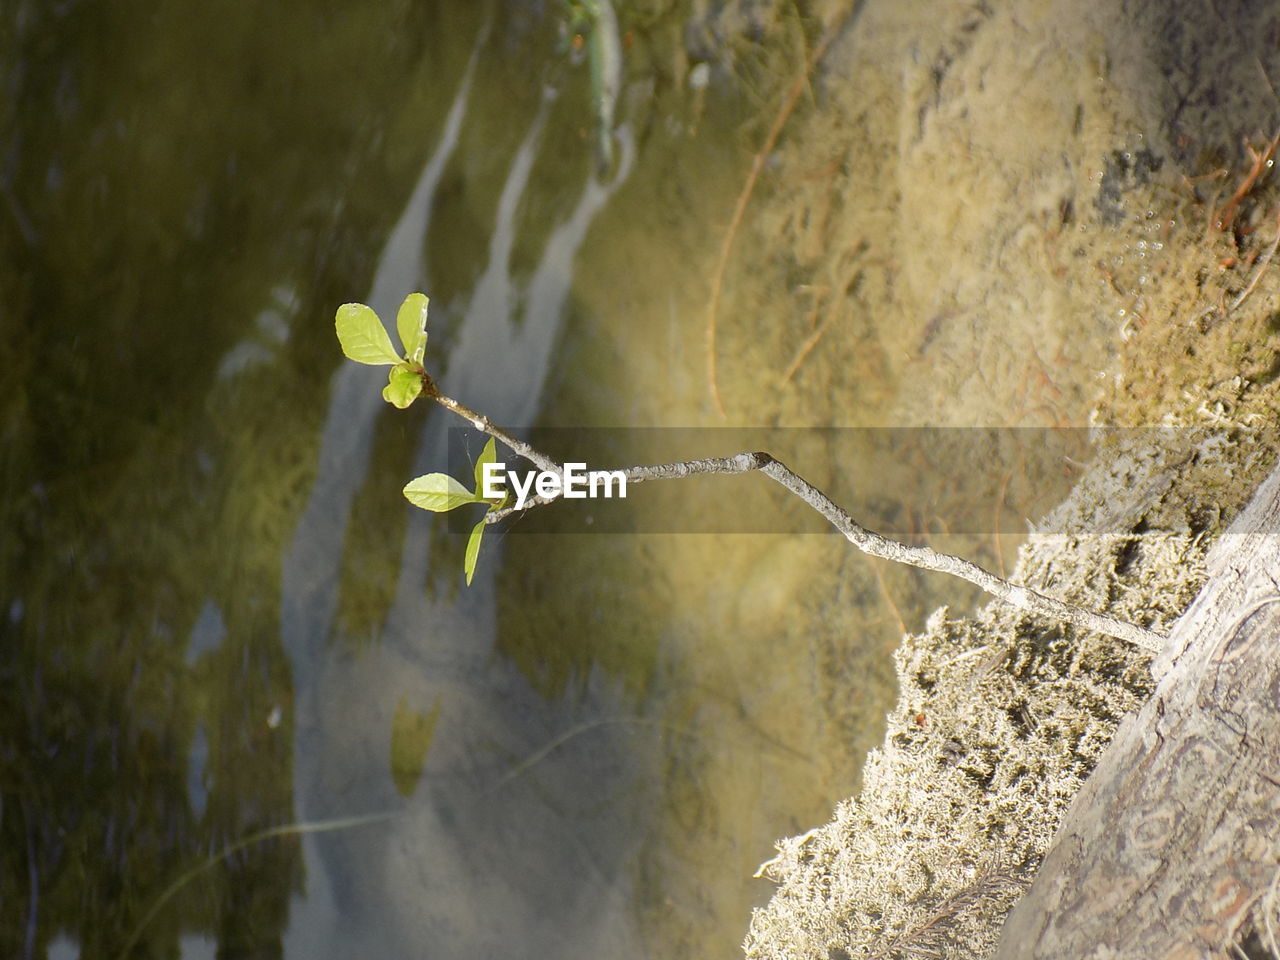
{"x": 187, "y": 188}
{"x": 375, "y": 535}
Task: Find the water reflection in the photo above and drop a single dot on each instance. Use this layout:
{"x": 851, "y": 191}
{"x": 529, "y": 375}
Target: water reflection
{"x": 220, "y": 616}
{"x": 473, "y": 863}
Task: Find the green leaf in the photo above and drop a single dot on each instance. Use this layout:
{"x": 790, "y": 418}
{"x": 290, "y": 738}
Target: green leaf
{"x": 403, "y": 386}
{"x": 411, "y": 323}
{"x": 488, "y": 455}
{"x": 362, "y": 335}
{"x": 473, "y": 550}
{"x": 438, "y": 492}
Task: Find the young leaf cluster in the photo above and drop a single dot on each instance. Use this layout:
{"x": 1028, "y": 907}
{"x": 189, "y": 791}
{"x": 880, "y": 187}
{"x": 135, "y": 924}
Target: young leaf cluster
{"x": 440, "y": 493}
{"x": 365, "y": 340}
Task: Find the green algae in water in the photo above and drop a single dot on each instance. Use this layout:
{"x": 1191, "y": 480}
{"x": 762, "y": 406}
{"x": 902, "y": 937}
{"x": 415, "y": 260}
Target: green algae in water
{"x": 411, "y": 734}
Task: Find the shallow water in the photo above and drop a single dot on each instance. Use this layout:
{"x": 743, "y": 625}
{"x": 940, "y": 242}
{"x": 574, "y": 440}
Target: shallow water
{"x": 222, "y": 617}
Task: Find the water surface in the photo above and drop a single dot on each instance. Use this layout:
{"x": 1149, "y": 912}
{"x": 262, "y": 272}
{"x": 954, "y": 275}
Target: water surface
{"x": 220, "y": 616}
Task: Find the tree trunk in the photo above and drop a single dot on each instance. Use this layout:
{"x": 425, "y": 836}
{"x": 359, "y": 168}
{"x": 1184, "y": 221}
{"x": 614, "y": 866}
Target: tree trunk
{"x": 1175, "y": 837}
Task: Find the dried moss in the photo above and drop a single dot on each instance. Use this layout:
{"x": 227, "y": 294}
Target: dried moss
{"x": 1000, "y": 719}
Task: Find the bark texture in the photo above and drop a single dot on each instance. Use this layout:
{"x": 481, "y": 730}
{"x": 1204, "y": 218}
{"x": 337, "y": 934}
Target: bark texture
{"x": 1175, "y": 838}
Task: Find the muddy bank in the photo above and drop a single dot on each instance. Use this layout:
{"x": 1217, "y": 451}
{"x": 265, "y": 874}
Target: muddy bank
{"x": 1066, "y": 213}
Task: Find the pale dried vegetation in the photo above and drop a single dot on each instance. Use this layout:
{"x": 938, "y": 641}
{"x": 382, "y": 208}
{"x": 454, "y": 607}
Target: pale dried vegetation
{"x": 999, "y": 721}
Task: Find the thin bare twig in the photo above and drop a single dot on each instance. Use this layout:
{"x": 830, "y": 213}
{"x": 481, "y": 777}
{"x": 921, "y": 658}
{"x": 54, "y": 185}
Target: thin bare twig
{"x": 887, "y": 597}
{"x": 1258, "y": 271}
{"x": 806, "y": 348}
{"x": 1224, "y": 218}
{"x": 485, "y": 425}
{"x": 869, "y": 542}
